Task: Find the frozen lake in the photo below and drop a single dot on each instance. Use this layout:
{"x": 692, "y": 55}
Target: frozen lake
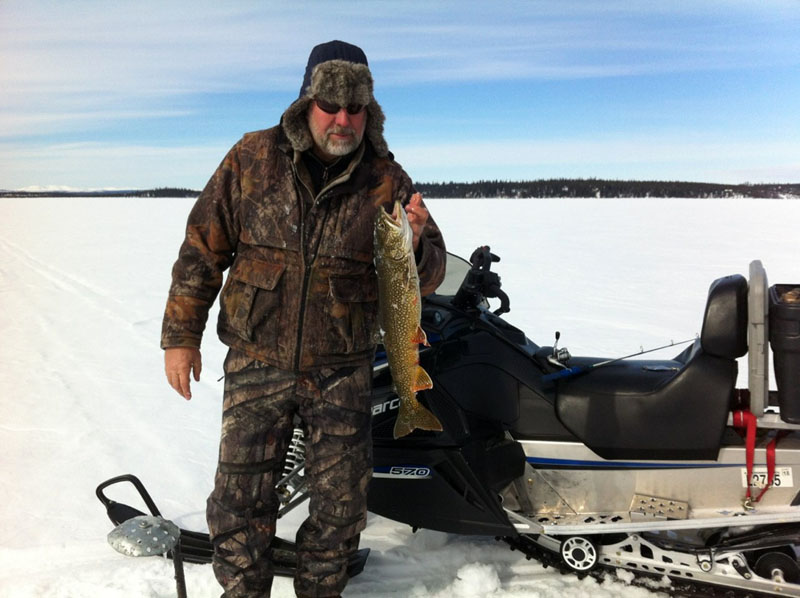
{"x": 83, "y": 284}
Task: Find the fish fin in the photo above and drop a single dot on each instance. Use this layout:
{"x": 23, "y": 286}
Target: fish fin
{"x": 413, "y": 416}
{"x": 420, "y": 337}
{"x": 422, "y": 380}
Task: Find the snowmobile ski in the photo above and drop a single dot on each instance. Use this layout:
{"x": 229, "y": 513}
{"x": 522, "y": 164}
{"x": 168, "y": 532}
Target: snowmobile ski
{"x": 195, "y": 546}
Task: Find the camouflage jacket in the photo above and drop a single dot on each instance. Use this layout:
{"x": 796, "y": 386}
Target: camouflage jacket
{"x": 301, "y": 292}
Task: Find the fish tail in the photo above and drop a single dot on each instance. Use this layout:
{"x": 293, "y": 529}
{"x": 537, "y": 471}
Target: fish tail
{"x": 414, "y": 417}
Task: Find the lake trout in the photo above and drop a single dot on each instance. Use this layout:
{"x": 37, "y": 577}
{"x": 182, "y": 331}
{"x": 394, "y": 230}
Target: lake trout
{"x": 400, "y": 307}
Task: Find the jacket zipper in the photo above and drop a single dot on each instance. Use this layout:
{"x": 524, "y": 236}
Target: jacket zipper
{"x": 306, "y": 266}
{"x": 308, "y": 261}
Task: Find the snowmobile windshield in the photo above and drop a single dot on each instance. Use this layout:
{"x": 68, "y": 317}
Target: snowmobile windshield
{"x": 457, "y": 268}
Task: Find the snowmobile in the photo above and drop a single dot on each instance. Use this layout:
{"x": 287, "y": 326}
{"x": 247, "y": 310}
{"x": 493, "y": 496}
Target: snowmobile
{"x": 658, "y": 466}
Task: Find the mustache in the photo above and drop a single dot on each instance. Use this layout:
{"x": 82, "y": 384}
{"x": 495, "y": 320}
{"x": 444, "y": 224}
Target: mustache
{"x": 337, "y": 130}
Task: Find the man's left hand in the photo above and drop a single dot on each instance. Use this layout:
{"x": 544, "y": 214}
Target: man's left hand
{"x": 417, "y": 217}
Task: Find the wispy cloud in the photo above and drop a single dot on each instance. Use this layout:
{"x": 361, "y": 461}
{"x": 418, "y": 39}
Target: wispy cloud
{"x": 155, "y": 47}
{"x": 664, "y": 157}
{"x": 90, "y": 165}
{"x": 103, "y": 72}
{"x": 19, "y": 123}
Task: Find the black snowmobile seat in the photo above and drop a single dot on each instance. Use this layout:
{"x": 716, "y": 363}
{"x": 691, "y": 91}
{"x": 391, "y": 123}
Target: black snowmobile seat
{"x": 671, "y": 409}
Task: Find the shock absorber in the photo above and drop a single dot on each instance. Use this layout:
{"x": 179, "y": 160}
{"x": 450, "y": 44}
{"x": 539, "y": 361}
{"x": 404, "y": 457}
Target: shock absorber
{"x": 295, "y": 460}
{"x": 296, "y": 455}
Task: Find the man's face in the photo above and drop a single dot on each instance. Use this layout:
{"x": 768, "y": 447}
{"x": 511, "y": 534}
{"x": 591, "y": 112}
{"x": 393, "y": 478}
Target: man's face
{"x": 336, "y": 134}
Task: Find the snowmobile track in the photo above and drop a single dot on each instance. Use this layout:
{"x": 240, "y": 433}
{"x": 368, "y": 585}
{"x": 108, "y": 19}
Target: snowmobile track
{"x": 679, "y": 588}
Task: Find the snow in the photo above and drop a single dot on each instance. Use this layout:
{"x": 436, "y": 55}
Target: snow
{"x": 83, "y": 283}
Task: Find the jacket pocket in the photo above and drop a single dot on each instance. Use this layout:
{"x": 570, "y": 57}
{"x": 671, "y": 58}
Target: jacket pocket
{"x": 353, "y": 312}
{"x": 251, "y": 297}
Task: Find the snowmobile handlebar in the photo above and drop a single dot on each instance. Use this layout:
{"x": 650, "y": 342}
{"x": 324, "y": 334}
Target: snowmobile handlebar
{"x": 481, "y": 283}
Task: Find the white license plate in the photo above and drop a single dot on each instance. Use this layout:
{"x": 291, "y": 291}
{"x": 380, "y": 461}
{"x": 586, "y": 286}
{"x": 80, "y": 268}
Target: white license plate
{"x": 759, "y": 477}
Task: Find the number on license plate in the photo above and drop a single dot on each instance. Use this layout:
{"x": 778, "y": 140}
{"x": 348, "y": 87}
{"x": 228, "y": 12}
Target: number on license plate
{"x": 760, "y": 479}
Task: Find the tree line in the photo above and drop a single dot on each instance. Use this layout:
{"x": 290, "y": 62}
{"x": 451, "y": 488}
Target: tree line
{"x": 511, "y": 189}
{"x": 159, "y": 192}
{"x": 603, "y": 188}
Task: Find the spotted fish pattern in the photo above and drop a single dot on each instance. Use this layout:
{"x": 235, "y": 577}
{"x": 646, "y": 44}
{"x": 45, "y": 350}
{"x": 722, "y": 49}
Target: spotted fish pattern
{"x": 400, "y": 308}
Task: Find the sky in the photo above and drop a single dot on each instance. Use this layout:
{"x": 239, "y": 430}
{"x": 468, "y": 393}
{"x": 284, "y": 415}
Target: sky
{"x": 99, "y": 94}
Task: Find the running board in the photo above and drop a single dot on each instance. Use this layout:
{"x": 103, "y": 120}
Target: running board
{"x": 557, "y": 525}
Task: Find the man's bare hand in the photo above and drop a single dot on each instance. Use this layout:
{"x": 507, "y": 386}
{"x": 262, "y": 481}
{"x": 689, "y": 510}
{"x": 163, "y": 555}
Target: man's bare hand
{"x": 417, "y": 217}
{"x": 179, "y": 362}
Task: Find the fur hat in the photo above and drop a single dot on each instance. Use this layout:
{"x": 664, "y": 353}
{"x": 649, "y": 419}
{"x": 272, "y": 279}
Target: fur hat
{"x": 337, "y": 72}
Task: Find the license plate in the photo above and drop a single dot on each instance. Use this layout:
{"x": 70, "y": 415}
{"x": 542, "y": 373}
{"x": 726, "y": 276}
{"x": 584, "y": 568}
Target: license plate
{"x": 759, "y": 477}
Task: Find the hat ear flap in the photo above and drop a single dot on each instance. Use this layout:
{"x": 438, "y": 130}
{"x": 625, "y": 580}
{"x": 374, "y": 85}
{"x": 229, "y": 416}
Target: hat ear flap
{"x": 295, "y": 125}
{"x": 374, "y": 130}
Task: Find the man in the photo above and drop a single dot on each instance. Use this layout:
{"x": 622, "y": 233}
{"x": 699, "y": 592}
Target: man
{"x": 291, "y": 211}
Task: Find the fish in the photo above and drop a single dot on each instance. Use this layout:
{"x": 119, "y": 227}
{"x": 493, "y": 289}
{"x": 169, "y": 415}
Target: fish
{"x": 400, "y": 310}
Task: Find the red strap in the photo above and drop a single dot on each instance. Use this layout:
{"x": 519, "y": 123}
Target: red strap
{"x": 773, "y": 444}
{"x": 745, "y": 419}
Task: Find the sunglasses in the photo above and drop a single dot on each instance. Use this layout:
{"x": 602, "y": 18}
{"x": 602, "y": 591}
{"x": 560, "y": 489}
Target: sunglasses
{"x": 329, "y": 108}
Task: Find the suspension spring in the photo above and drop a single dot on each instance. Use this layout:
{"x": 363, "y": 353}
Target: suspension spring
{"x": 296, "y": 455}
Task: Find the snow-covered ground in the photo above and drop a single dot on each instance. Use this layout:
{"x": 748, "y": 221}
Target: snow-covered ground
{"x": 82, "y": 287}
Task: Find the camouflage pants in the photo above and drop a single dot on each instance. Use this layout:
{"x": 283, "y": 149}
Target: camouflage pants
{"x": 259, "y": 407}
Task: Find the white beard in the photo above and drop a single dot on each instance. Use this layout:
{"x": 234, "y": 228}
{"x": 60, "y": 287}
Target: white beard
{"x": 339, "y": 147}
{"x": 336, "y": 147}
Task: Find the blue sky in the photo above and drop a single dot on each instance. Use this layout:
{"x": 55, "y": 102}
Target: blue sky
{"x": 153, "y": 93}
